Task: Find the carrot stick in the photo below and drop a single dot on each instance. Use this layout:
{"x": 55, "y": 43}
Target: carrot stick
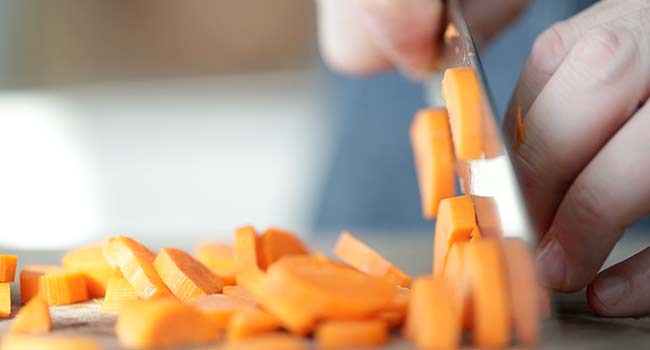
{"x": 455, "y": 223}
{"x": 276, "y": 243}
{"x": 456, "y": 274}
{"x": 464, "y": 100}
{"x": 246, "y": 250}
{"x": 353, "y": 333}
{"x": 393, "y": 319}
{"x": 34, "y": 317}
{"x": 221, "y": 307}
{"x": 118, "y": 293}
{"x": 248, "y": 323}
{"x": 185, "y": 276}
{"x": 56, "y": 285}
{"x": 135, "y": 262}
{"x": 5, "y": 300}
{"x": 275, "y": 341}
{"x": 47, "y": 342}
{"x": 240, "y": 292}
{"x": 91, "y": 263}
{"x": 434, "y": 158}
{"x": 219, "y": 259}
{"x": 7, "y": 268}
{"x": 164, "y": 322}
{"x": 365, "y": 259}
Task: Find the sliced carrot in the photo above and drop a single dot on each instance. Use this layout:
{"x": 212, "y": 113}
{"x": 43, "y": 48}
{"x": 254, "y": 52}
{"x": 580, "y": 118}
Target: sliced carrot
{"x": 118, "y": 293}
{"x": 219, "y": 258}
{"x": 455, "y": 223}
{"x": 524, "y": 291}
{"x": 48, "y": 342}
{"x": 240, "y": 292}
{"x": 400, "y": 300}
{"x": 464, "y": 101}
{"x": 5, "y": 300}
{"x": 433, "y": 319}
{"x": 163, "y": 322}
{"x": 365, "y": 259}
{"x": 248, "y": 323}
{"x": 135, "y": 262}
{"x": 55, "y": 284}
{"x": 276, "y": 243}
{"x": 34, "y": 317}
{"x": 275, "y": 341}
{"x": 7, "y": 268}
{"x": 434, "y": 158}
{"x": 352, "y": 333}
{"x": 487, "y": 216}
{"x": 456, "y": 274}
{"x": 489, "y": 292}
{"x": 185, "y": 276}
{"x": 246, "y": 249}
{"x": 221, "y": 307}
{"x": 393, "y": 319}
{"x": 91, "y": 262}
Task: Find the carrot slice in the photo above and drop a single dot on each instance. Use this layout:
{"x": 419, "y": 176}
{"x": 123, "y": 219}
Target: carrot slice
{"x": 34, "y": 317}
{"x": 91, "y": 263}
{"x": 163, "y": 322}
{"x": 455, "y": 272}
{"x": 247, "y": 323}
{"x": 135, "y": 262}
{"x": 433, "y": 319}
{"x": 185, "y": 276}
{"x": 219, "y": 259}
{"x": 275, "y": 341}
{"x": 524, "y": 291}
{"x": 489, "y": 292}
{"x": 352, "y": 333}
{"x": 118, "y": 293}
{"x": 240, "y": 292}
{"x": 464, "y": 100}
{"x": 434, "y": 158}
{"x": 455, "y": 223}
{"x": 5, "y": 300}
{"x": 276, "y": 243}
{"x": 221, "y": 307}
{"x": 246, "y": 249}
{"x": 365, "y": 259}
{"x": 400, "y": 300}
{"x": 47, "y": 342}
{"x": 56, "y": 285}
{"x": 7, "y": 268}
{"x": 393, "y": 319}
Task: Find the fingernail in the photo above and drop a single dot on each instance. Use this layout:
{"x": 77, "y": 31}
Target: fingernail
{"x": 611, "y": 289}
{"x": 552, "y": 264}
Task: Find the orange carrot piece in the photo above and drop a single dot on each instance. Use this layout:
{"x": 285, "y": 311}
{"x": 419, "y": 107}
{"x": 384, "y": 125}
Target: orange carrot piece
{"x": 221, "y": 307}
{"x": 185, "y": 276}
{"x": 393, "y": 319}
{"x": 365, "y": 259}
{"x": 240, "y": 292}
{"x": 5, "y": 300}
{"x": 47, "y": 342}
{"x": 7, "y": 268}
{"x": 55, "y": 284}
{"x": 164, "y": 322}
{"x": 489, "y": 292}
{"x": 91, "y": 263}
{"x": 456, "y": 274}
{"x": 524, "y": 291}
{"x": 434, "y": 158}
{"x": 34, "y": 317}
{"x": 464, "y": 100}
{"x": 276, "y": 243}
{"x": 433, "y": 319}
{"x": 400, "y": 300}
{"x": 275, "y": 341}
{"x": 456, "y": 220}
{"x": 118, "y": 293}
{"x": 135, "y": 262}
{"x": 246, "y": 249}
{"x": 352, "y": 333}
{"x": 248, "y": 323}
{"x": 219, "y": 258}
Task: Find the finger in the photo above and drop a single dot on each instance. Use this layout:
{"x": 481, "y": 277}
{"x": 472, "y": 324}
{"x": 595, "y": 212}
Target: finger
{"x": 344, "y": 42}
{"x": 611, "y": 193}
{"x": 622, "y": 290}
{"x": 487, "y": 18}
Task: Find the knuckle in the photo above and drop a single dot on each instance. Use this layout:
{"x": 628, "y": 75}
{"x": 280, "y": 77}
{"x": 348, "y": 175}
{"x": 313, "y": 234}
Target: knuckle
{"x": 589, "y": 206}
{"x": 550, "y": 48}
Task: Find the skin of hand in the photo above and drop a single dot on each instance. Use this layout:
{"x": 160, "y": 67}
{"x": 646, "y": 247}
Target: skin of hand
{"x": 584, "y": 161}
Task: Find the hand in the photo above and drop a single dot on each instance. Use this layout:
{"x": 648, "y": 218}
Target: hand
{"x": 585, "y": 157}
{"x": 368, "y": 36}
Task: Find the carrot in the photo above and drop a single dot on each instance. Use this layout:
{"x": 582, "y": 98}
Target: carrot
{"x": 489, "y": 292}
{"x": 91, "y": 263}
{"x": 219, "y": 259}
{"x": 163, "y": 322}
{"x": 248, "y": 323}
{"x": 47, "y": 342}
{"x": 393, "y": 319}
{"x": 135, "y": 262}
{"x": 118, "y": 293}
{"x": 400, "y": 300}
{"x": 276, "y": 243}
{"x": 456, "y": 274}
{"x": 221, "y": 307}
{"x": 524, "y": 291}
{"x": 34, "y": 317}
{"x": 434, "y": 158}
{"x": 464, "y": 100}
{"x": 55, "y": 284}
{"x": 433, "y": 319}
{"x": 365, "y": 259}
{"x": 275, "y": 341}
{"x": 487, "y": 216}
{"x": 240, "y": 292}
{"x": 5, "y": 300}
{"x": 455, "y": 223}
{"x": 185, "y": 276}
{"x": 246, "y": 249}
{"x": 353, "y": 333}
{"x": 7, "y": 268}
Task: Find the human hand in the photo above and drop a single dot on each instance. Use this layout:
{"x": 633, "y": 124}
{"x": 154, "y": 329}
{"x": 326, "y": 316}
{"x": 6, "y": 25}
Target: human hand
{"x": 585, "y": 157}
{"x": 369, "y": 36}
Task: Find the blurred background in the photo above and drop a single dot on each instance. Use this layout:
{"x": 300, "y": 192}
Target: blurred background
{"x": 179, "y": 120}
